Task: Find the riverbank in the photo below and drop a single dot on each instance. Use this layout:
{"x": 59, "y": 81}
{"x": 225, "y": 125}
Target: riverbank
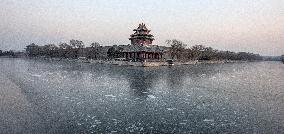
{"x": 156, "y": 63}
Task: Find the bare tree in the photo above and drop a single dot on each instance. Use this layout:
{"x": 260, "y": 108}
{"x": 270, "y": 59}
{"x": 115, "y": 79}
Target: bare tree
{"x": 77, "y": 43}
{"x": 64, "y": 46}
{"x": 177, "y": 48}
{"x": 95, "y": 44}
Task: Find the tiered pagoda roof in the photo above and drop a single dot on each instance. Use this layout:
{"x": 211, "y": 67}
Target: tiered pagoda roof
{"x": 141, "y": 33}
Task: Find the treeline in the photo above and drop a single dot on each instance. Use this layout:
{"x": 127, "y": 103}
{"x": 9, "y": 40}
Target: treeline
{"x": 179, "y": 51}
{"x": 7, "y": 53}
{"x": 73, "y": 49}
{"x": 11, "y": 53}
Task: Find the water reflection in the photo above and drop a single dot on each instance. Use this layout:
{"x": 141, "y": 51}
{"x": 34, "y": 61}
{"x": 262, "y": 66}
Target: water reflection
{"x": 140, "y": 82}
{"x": 175, "y": 77}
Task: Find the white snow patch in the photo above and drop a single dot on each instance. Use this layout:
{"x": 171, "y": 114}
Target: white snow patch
{"x": 152, "y": 96}
{"x": 110, "y": 95}
{"x": 208, "y": 120}
{"x": 36, "y": 75}
{"x": 171, "y": 109}
{"x": 98, "y": 122}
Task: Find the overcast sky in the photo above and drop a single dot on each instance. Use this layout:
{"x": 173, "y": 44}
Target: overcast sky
{"x": 236, "y": 25}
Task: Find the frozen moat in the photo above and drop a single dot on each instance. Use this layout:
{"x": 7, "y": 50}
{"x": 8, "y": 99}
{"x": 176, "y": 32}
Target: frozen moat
{"x": 39, "y": 96}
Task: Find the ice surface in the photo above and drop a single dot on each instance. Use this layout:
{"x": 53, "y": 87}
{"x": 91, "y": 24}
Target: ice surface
{"x": 89, "y": 98}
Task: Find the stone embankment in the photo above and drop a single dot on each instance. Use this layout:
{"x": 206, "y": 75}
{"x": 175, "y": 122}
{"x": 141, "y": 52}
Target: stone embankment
{"x": 158, "y": 63}
{"x": 142, "y": 64}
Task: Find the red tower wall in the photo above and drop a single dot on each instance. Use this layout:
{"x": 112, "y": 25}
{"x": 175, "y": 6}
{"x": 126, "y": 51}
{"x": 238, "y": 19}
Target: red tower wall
{"x": 141, "y": 41}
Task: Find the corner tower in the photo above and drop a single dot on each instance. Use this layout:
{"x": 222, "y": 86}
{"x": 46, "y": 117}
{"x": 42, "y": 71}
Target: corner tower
{"x": 141, "y": 36}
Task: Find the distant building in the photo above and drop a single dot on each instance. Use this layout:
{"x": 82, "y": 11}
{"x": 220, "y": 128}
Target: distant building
{"x": 33, "y": 50}
{"x": 141, "y": 48}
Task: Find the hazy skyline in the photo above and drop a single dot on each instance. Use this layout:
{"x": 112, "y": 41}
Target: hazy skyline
{"x": 244, "y": 25}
